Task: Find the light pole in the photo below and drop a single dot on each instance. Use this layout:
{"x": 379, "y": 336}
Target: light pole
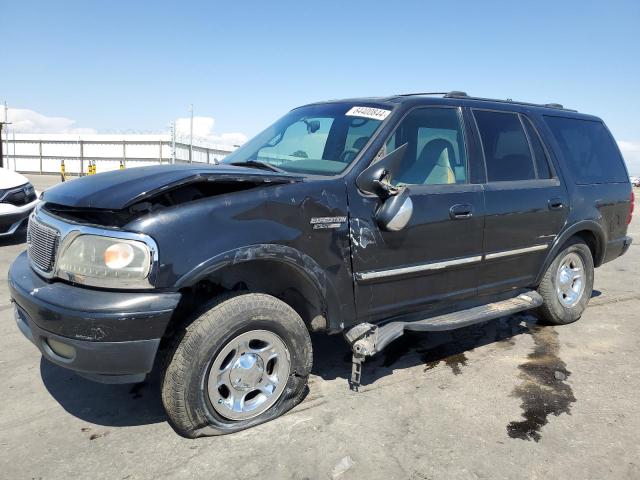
{"x": 191, "y": 134}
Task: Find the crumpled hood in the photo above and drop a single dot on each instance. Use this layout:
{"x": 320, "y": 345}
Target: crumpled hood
{"x": 121, "y": 188}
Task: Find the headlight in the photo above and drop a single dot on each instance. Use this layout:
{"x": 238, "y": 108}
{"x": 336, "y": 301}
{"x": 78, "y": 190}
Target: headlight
{"x": 106, "y": 262}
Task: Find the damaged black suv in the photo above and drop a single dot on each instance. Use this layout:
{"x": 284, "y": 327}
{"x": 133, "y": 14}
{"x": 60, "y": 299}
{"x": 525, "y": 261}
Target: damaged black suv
{"x": 366, "y": 217}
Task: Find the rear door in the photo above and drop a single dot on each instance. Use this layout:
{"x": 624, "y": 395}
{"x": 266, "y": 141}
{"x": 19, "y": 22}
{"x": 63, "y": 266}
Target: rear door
{"x": 526, "y": 204}
{"x": 592, "y": 160}
{"x": 434, "y": 260}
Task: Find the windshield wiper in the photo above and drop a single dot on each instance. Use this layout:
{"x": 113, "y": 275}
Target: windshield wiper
{"x": 258, "y": 164}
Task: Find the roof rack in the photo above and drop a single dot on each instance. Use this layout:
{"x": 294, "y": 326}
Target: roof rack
{"x": 459, "y": 94}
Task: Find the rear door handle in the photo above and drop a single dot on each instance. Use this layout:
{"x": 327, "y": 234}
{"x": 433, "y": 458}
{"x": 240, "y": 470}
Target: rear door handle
{"x": 460, "y": 211}
{"x": 555, "y": 204}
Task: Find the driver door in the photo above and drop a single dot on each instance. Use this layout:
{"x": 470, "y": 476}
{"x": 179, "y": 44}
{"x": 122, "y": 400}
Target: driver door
{"x": 435, "y": 259}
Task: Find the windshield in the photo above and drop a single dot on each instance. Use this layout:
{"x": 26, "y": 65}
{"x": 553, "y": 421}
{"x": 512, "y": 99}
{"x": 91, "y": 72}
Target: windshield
{"x": 319, "y": 139}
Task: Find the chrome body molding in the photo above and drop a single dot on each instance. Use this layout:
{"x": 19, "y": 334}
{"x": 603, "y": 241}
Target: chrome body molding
{"x": 425, "y": 267}
{"x": 417, "y": 268}
{"x": 69, "y": 231}
{"x": 517, "y": 251}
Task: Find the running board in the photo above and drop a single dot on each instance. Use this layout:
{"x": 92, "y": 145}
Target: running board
{"x": 367, "y": 339}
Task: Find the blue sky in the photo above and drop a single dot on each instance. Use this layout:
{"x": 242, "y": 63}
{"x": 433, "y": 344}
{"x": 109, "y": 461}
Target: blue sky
{"x": 130, "y": 65}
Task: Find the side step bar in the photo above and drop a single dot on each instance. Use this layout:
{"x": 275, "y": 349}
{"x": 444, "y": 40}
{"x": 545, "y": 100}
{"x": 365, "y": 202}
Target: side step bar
{"x": 367, "y": 339}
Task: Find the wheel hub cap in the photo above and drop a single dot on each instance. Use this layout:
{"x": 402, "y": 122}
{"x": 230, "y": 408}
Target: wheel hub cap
{"x": 248, "y": 375}
{"x": 570, "y": 281}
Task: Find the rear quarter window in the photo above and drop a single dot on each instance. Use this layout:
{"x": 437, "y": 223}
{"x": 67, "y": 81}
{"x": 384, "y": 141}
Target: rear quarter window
{"x": 588, "y": 149}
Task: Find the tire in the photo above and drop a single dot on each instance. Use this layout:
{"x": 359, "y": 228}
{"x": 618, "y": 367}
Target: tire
{"x": 223, "y": 347}
{"x": 564, "y": 299}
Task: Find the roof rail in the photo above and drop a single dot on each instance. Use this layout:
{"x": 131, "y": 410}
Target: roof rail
{"x": 456, "y": 94}
{"x": 420, "y": 93}
{"x": 508, "y": 100}
{"x": 459, "y": 94}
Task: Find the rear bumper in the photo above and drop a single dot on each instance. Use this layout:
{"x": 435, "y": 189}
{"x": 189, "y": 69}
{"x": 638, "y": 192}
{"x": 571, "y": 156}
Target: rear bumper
{"x": 617, "y": 247}
{"x": 112, "y": 336}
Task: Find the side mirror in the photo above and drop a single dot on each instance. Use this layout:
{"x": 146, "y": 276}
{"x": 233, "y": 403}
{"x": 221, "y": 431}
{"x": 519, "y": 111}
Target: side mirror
{"x": 376, "y": 178}
{"x": 396, "y": 209}
{"x": 394, "y": 214}
{"x": 312, "y": 125}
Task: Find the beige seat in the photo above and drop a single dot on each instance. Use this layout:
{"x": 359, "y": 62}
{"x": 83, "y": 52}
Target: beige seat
{"x": 433, "y": 165}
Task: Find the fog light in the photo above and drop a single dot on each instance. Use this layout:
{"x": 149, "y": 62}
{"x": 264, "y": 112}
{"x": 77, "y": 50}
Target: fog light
{"x": 61, "y": 349}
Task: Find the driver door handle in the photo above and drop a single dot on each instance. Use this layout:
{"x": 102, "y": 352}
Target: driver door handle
{"x": 555, "y": 203}
{"x": 461, "y": 211}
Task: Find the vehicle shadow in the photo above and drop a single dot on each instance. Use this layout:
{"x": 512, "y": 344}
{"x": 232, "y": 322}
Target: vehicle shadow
{"x": 332, "y": 355}
{"x": 140, "y": 404}
{"x": 107, "y": 405}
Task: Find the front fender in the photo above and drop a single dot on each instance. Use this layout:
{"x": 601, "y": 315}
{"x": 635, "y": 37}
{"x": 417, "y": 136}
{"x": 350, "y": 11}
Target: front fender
{"x": 304, "y": 264}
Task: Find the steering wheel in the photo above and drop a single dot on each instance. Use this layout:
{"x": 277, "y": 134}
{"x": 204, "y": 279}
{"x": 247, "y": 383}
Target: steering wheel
{"x": 348, "y": 155}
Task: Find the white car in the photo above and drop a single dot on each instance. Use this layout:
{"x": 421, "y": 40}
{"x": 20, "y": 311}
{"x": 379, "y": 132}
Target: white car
{"x": 635, "y": 181}
{"x": 17, "y": 199}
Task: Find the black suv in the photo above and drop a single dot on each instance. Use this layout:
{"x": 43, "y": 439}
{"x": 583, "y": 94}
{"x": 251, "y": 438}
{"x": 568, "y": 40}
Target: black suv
{"x": 368, "y": 217}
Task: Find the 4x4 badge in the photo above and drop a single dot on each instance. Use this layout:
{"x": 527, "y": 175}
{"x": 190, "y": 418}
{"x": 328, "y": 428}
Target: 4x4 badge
{"x": 327, "y": 222}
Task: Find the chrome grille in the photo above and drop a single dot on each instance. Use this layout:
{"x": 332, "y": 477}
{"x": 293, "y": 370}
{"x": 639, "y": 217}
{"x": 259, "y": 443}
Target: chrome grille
{"x": 42, "y": 244}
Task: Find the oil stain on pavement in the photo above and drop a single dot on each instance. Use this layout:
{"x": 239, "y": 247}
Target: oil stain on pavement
{"x": 450, "y": 353}
{"x": 449, "y": 348}
{"x": 544, "y": 390}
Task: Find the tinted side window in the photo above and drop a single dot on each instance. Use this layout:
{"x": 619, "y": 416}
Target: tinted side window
{"x": 542, "y": 162}
{"x": 505, "y": 145}
{"x": 588, "y": 149}
{"x": 435, "y": 153}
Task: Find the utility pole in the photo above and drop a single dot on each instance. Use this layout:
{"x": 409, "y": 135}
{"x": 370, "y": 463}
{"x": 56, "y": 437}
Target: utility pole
{"x": 191, "y": 134}
{"x": 2, "y": 124}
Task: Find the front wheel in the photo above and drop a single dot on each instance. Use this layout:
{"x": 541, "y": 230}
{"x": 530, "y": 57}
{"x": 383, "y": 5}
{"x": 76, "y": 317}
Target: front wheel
{"x": 241, "y": 363}
{"x": 567, "y": 284}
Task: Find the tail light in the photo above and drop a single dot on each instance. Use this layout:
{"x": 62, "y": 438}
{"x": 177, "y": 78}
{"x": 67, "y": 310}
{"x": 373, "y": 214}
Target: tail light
{"x": 631, "y": 206}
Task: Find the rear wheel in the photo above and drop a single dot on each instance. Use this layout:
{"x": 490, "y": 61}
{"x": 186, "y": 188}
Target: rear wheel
{"x": 567, "y": 284}
{"x": 242, "y": 362}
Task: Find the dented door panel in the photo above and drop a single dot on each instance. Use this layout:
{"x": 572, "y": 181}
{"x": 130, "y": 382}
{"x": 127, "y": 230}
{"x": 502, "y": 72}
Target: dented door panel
{"x": 431, "y": 262}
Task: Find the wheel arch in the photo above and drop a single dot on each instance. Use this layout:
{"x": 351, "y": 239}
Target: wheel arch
{"x": 278, "y": 270}
{"x": 589, "y": 231}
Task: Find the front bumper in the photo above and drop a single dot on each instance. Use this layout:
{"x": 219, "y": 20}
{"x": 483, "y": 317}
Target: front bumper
{"x": 12, "y": 217}
{"x": 108, "y": 336}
